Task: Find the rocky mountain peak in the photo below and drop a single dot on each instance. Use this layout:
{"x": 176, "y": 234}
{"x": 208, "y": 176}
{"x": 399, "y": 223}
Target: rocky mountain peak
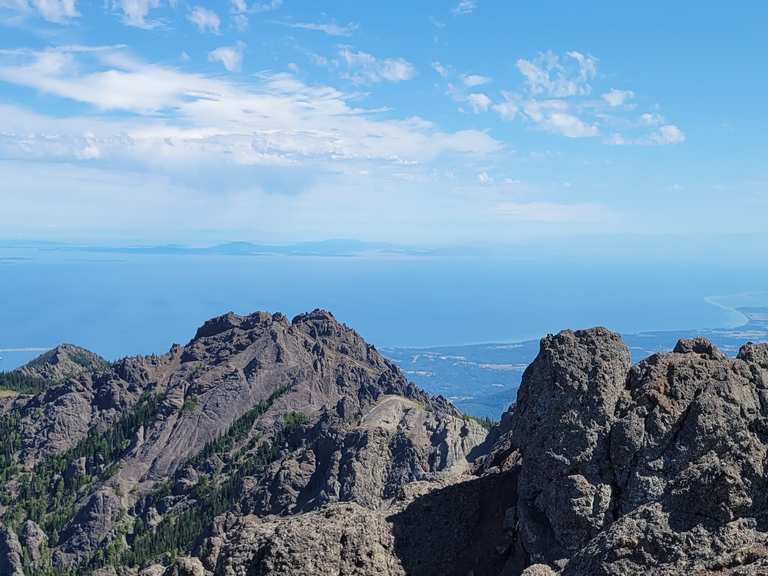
{"x": 63, "y": 362}
{"x": 272, "y": 447}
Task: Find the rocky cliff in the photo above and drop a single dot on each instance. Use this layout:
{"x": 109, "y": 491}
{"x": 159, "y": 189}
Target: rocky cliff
{"x": 273, "y": 447}
{"x": 128, "y": 463}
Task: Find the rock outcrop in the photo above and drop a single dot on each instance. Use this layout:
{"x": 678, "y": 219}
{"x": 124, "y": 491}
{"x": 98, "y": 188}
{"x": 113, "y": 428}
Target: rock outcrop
{"x": 314, "y": 413}
{"x": 268, "y": 446}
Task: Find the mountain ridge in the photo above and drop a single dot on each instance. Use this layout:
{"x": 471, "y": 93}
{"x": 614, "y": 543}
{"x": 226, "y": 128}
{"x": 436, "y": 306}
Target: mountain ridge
{"x": 269, "y": 446}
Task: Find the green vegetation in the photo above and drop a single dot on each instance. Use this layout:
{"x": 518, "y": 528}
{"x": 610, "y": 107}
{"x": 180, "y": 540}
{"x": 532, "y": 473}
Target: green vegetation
{"x": 239, "y": 429}
{"x": 484, "y": 421}
{"x": 178, "y": 533}
{"x": 294, "y": 421}
{"x": 214, "y": 494}
{"x": 84, "y": 359}
{"x": 191, "y": 403}
{"x": 22, "y": 383}
{"x": 48, "y": 493}
{"x": 10, "y": 444}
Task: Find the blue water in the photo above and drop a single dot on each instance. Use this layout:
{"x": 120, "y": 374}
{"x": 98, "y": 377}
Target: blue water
{"x": 120, "y": 305}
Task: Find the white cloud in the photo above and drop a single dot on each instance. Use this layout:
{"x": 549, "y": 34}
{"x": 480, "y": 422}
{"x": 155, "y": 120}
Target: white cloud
{"x": 57, "y": 11}
{"x": 230, "y": 56}
{"x": 331, "y": 29}
{"x": 479, "y": 102}
{"x": 472, "y": 80}
{"x": 240, "y": 10}
{"x": 440, "y": 69}
{"x": 205, "y": 20}
{"x": 661, "y": 136}
{"x": 667, "y": 134}
{"x": 464, "y": 7}
{"x": 555, "y": 116}
{"x": 651, "y": 119}
{"x": 135, "y": 12}
{"x": 258, "y": 7}
{"x": 616, "y": 98}
{"x": 551, "y": 76}
{"x": 364, "y": 68}
{"x": 508, "y": 109}
{"x": 484, "y": 179}
{"x": 175, "y": 118}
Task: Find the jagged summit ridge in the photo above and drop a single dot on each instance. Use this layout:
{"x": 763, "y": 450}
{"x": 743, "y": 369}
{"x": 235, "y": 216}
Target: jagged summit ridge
{"x": 296, "y": 415}
{"x": 286, "y": 447}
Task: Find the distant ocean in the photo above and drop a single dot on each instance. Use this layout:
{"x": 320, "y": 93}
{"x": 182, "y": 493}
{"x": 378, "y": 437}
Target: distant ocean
{"x": 120, "y": 304}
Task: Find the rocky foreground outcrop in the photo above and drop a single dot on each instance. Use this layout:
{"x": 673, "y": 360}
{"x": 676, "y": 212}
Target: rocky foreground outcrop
{"x": 271, "y": 447}
{"x": 599, "y": 469}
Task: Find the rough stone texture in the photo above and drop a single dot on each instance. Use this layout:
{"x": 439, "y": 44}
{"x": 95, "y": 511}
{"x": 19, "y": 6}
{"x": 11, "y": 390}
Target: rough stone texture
{"x": 35, "y": 541}
{"x": 186, "y": 567}
{"x": 658, "y": 468}
{"x": 565, "y": 407}
{"x": 368, "y": 459}
{"x": 65, "y": 362}
{"x": 538, "y": 570}
{"x": 340, "y": 540}
{"x": 369, "y": 431}
{"x": 10, "y": 553}
{"x": 599, "y": 469}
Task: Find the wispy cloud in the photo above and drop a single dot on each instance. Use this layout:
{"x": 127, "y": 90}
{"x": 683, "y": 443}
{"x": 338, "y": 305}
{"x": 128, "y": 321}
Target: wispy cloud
{"x": 508, "y": 108}
{"x": 135, "y": 12}
{"x": 331, "y": 28}
{"x": 206, "y": 20}
{"x": 440, "y": 69}
{"x": 182, "y": 117}
{"x": 472, "y": 80}
{"x": 551, "y": 76}
{"x": 555, "y": 116}
{"x": 364, "y": 68}
{"x": 230, "y": 56}
{"x": 616, "y": 98}
{"x": 479, "y": 102}
{"x": 667, "y": 134}
{"x": 57, "y": 11}
{"x": 464, "y": 7}
{"x": 241, "y": 10}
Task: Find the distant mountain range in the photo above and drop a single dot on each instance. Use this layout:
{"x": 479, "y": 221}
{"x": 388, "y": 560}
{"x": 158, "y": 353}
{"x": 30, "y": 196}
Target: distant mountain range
{"x": 320, "y": 248}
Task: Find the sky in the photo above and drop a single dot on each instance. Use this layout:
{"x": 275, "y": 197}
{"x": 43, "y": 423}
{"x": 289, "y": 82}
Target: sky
{"x": 430, "y": 123}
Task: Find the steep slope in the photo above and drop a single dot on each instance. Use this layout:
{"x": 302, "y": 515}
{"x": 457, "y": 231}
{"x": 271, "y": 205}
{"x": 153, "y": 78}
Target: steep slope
{"x": 127, "y": 463}
{"x": 600, "y": 469}
{"x": 651, "y": 469}
{"x": 273, "y": 447}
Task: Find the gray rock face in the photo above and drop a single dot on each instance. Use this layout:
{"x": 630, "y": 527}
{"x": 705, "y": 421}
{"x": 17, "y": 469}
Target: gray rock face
{"x": 10, "y": 553}
{"x": 340, "y": 540}
{"x": 65, "y": 362}
{"x": 599, "y": 469}
{"x": 561, "y": 425}
{"x": 367, "y": 459}
{"x": 367, "y": 431}
{"x": 654, "y": 469}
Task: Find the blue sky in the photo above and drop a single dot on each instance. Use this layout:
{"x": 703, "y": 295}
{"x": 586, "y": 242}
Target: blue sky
{"x": 423, "y": 123}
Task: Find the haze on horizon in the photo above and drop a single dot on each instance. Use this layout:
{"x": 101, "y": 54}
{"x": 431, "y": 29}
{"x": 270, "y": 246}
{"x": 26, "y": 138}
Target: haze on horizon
{"x": 428, "y": 124}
